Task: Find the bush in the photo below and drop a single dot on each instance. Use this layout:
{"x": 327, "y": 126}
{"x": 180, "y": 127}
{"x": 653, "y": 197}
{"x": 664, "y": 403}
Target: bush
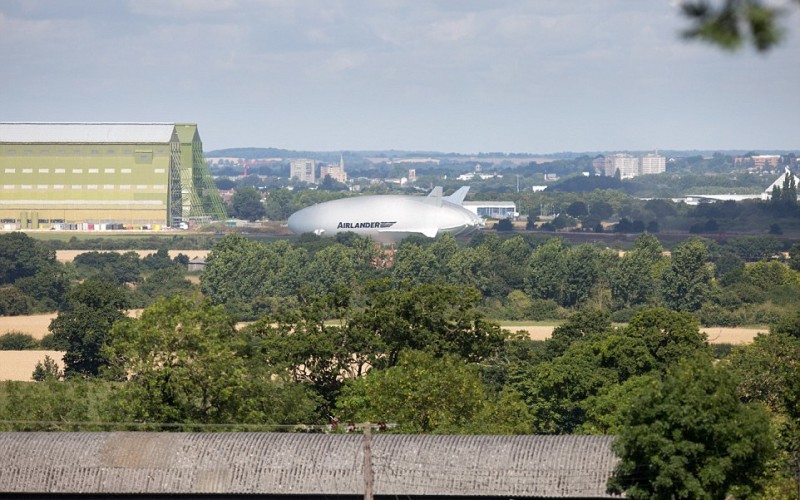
{"x": 17, "y": 341}
{"x": 625, "y": 315}
{"x": 47, "y": 370}
{"x": 721, "y": 350}
{"x": 541, "y": 309}
{"x": 49, "y": 343}
{"x": 714, "y": 315}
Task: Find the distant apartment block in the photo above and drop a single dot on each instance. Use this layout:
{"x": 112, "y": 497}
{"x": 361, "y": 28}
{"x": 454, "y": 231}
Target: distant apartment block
{"x": 626, "y": 165}
{"x": 630, "y": 166}
{"x": 336, "y": 171}
{"x": 768, "y": 162}
{"x": 303, "y": 170}
{"x": 652, "y": 164}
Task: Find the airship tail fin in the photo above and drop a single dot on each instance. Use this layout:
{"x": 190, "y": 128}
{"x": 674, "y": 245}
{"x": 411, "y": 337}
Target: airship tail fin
{"x": 435, "y": 192}
{"x": 458, "y": 197}
{"x": 435, "y": 197}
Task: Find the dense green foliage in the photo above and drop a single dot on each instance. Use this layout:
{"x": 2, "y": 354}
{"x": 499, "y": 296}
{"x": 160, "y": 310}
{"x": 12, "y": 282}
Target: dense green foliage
{"x": 689, "y": 436}
{"x": 343, "y": 330}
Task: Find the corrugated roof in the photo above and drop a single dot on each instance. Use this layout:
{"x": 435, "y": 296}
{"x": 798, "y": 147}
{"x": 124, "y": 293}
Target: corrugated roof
{"x": 93, "y": 133}
{"x": 314, "y": 464}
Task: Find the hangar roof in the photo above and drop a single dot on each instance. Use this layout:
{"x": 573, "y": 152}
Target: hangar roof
{"x": 310, "y": 464}
{"x": 93, "y": 133}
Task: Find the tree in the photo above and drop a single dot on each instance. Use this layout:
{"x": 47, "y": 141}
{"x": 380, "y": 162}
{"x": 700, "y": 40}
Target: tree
{"x": 13, "y": 302}
{"x": 47, "y": 370}
{"x": 438, "y": 319}
{"x": 239, "y": 270}
{"x": 577, "y": 209}
{"x": 246, "y": 203}
{"x": 185, "y": 363}
{"x": 181, "y": 359}
{"x": 631, "y": 279}
{"x": 93, "y": 307}
{"x": 21, "y": 256}
{"x": 689, "y": 436}
{"x": 504, "y": 225}
{"x": 669, "y": 336}
{"x": 686, "y": 282}
{"x": 422, "y": 394}
{"x": 601, "y": 209}
{"x": 768, "y": 371}
{"x": 794, "y": 257}
{"x": 733, "y": 22}
{"x": 224, "y": 183}
{"x": 546, "y": 271}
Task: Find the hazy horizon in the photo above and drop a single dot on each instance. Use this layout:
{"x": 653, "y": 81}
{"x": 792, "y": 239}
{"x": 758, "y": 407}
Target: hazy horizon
{"x": 356, "y": 75}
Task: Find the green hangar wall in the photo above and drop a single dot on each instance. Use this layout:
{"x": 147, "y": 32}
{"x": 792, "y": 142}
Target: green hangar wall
{"x": 134, "y": 174}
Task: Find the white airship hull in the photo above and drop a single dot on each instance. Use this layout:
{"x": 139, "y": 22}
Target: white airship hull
{"x": 386, "y": 218}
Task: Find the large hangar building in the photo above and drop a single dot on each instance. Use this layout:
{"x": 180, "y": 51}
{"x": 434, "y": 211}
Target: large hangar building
{"x": 104, "y": 175}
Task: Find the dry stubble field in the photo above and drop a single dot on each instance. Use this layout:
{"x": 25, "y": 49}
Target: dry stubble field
{"x": 18, "y": 365}
{"x": 69, "y": 255}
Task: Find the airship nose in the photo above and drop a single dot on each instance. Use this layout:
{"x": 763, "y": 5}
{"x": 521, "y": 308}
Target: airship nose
{"x": 296, "y": 223}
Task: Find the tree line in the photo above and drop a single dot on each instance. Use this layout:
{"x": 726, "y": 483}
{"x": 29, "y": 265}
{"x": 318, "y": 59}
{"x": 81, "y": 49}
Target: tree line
{"x": 335, "y": 335}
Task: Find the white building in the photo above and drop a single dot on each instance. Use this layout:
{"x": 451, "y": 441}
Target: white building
{"x": 303, "y": 170}
{"x": 767, "y": 194}
{"x": 493, "y": 209}
{"x": 626, "y": 165}
{"x": 652, "y": 164}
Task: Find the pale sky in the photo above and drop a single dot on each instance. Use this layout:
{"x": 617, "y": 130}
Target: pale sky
{"x": 467, "y": 76}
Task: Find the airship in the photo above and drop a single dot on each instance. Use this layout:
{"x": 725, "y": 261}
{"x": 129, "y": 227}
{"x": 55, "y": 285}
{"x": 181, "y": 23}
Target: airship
{"x": 388, "y": 218}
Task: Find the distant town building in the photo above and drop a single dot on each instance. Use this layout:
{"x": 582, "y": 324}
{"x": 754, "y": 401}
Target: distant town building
{"x": 493, "y": 209}
{"x": 599, "y": 165}
{"x": 758, "y": 162}
{"x": 412, "y": 175}
{"x": 336, "y": 171}
{"x": 766, "y": 162}
{"x": 303, "y": 170}
{"x": 652, "y": 164}
{"x": 630, "y": 166}
{"x": 625, "y": 164}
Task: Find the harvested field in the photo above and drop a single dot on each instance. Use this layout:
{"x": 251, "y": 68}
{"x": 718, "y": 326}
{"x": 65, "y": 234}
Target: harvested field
{"x": 69, "y": 255}
{"x": 716, "y": 335}
{"x": 19, "y": 365}
{"x": 36, "y": 325}
{"x": 719, "y": 335}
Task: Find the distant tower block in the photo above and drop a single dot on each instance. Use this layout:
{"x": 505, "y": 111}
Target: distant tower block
{"x": 412, "y": 175}
{"x": 303, "y": 170}
{"x": 336, "y": 172}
